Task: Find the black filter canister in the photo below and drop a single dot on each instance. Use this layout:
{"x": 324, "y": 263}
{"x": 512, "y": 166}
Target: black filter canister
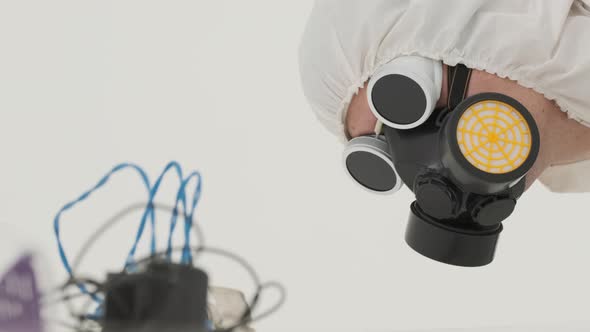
{"x": 446, "y": 244}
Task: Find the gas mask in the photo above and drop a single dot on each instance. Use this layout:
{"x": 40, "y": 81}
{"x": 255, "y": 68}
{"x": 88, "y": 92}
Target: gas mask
{"x": 465, "y": 163}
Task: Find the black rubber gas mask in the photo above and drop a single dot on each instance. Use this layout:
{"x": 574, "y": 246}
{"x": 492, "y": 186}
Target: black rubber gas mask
{"x": 466, "y": 163}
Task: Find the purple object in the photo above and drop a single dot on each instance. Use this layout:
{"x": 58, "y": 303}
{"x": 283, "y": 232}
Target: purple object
{"x": 19, "y": 298}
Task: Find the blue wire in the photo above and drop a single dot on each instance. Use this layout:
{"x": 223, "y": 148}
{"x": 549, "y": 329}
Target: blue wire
{"x": 179, "y": 172}
{"x": 148, "y": 212}
{"x": 172, "y": 165}
{"x": 188, "y": 216}
{"x": 83, "y": 197}
{"x": 180, "y": 196}
{"x": 187, "y": 253}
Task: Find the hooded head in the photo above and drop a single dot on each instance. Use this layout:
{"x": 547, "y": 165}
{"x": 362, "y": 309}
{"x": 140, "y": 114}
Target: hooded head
{"x": 543, "y": 66}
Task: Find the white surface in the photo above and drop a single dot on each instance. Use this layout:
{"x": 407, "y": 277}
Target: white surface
{"x": 85, "y": 85}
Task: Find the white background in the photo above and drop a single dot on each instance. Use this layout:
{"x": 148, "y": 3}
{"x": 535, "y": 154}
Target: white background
{"x": 215, "y": 86}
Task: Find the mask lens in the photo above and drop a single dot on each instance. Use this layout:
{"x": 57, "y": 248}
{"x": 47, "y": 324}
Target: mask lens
{"x": 399, "y": 99}
{"x": 403, "y": 93}
{"x": 371, "y": 171}
{"x": 368, "y": 162}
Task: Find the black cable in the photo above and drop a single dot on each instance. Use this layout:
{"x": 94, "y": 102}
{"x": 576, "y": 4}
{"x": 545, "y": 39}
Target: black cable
{"x": 197, "y": 232}
{"x": 224, "y": 253}
{"x": 253, "y": 303}
{"x": 112, "y": 221}
{"x": 255, "y": 298}
{"x": 67, "y": 299}
{"x": 62, "y": 299}
{"x": 115, "y": 283}
{"x": 245, "y": 319}
{"x": 70, "y": 326}
{"x": 278, "y": 305}
{"x": 116, "y": 218}
{"x": 98, "y": 233}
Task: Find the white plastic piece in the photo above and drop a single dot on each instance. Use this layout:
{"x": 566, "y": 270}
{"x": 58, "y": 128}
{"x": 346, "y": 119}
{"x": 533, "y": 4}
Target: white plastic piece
{"x": 377, "y": 147}
{"x": 226, "y": 307}
{"x": 427, "y": 73}
{"x": 378, "y": 128}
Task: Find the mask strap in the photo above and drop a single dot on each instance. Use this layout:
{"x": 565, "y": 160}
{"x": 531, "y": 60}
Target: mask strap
{"x": 378, "y": 128}
{"x": 450, "y": 75}
{"x": 458, "y": 83}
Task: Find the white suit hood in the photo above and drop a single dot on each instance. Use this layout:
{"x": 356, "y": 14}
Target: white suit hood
{"x": 541, "y": 44}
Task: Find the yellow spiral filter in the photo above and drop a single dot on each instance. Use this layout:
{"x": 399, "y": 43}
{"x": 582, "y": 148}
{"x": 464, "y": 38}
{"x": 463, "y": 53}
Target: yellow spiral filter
{"x": 494, "y": 137}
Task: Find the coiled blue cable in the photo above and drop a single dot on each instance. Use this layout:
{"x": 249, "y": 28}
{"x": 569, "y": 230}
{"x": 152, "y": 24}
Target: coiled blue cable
{"x": 188, "y": 216}
{"x": 84, "y": 196}
{"x": 187, "y": 253}
{"x": 148, "y": 213}
{"x": 153, "y": 191}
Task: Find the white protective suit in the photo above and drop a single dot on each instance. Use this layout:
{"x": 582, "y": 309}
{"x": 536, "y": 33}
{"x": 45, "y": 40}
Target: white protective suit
{"x": 541, "y": 44}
